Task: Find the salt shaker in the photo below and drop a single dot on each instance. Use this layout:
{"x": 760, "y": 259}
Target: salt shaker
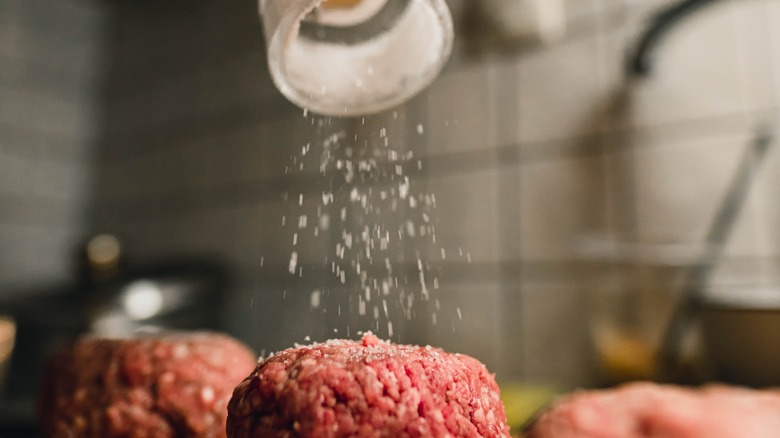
{"x": 355, "y": 57}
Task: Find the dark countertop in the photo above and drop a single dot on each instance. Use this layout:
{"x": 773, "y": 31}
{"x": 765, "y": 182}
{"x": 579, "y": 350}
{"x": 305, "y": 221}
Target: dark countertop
{"x": 17, "y": 419}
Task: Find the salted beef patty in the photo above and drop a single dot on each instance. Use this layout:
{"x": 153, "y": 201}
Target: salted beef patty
{"x": 367, "y": 389}
{"x": 167, "y": 385}
{"x": 646, "y": 410}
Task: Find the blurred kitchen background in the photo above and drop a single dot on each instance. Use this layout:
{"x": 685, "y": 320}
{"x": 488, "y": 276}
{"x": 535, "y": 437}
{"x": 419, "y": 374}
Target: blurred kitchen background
{"x": 157, "y": 123}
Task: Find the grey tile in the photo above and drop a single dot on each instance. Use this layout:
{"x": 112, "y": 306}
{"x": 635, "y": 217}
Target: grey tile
{"x": 35, "y": 256}
{"x": 771, "y": 18}
{"x": 459, "y": 116}
{"x": 559, "y": 95}
{"x": 174, "y": 93}
{"x": 469, "y": 212}
{"x": 45, "y": 180}
{"x": 264, "y": 151}
{"x": 766, "y": 216}
{"x": 61, "y": 180}
{"x": 680, "y": 188}
{"x": 469, "y": 322}
{"x": 746, "y": 272}
{"x": 700, "y": 70}
{"x": 41, "y": 211}
{"x": 29, "y": 76}
{"x": 14, "y": 172}
{"x": 581, "y": 10}
{"x": 71, "y": 19}
{"x": 561, "y": 201}
{"x": 755, "y": 32}
{"x": 37, "y": 111}
{"x": 468, "y": 109}
{"x": 556, "y": 343}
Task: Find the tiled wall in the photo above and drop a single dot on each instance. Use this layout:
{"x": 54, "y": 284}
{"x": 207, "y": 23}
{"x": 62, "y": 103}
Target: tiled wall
{"x": 194, "y": 151}
{"x": 50, "y": 60}
{"x": 525, "y": 153}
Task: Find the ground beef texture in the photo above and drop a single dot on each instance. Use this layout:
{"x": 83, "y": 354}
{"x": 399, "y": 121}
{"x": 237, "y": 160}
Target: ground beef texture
{"x": 165, "y": 385}
{"x": 647, "y": 410}
{"x": 367, "y": 388}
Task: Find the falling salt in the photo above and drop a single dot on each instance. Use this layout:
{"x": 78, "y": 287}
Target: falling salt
{"x": 293, "y": 262}
{"x": 370, "y": 211}
{"x": 324, "y": 221}
{"x": 403, "y": 188}
{"x": 422, "y": 279}
{"x": 315, "y": 299}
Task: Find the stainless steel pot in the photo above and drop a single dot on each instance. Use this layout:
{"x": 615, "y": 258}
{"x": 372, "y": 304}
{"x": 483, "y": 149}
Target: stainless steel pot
{"x": 740, "y": 330}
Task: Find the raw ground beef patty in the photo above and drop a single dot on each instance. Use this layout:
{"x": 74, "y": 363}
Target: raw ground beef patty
{"x": 645, "y": 410}
{"x": 166, "y": 385}
{"x": 369, "y": 388}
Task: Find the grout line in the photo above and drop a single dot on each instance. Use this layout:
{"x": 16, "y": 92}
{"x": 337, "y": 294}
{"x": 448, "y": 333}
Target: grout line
{"x": 259, "y": 190}
{"x": 38, "y": 144}
{"x": 187, "y": 59}
{"x": 199, "y": 126}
